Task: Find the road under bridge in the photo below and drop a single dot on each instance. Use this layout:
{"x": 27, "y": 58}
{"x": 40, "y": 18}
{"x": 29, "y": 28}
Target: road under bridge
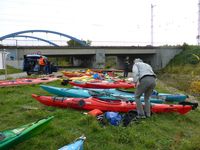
{"x": 95, "y": 57}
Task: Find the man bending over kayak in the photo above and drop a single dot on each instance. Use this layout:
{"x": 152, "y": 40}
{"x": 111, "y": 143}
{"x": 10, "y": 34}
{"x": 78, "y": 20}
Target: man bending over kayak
{"x": 145, "y": 80}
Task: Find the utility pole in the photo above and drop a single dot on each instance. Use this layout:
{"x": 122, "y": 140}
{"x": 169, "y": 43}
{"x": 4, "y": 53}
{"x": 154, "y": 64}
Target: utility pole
{"x": 198, "y": 36}
{"x": 152, "y": 24}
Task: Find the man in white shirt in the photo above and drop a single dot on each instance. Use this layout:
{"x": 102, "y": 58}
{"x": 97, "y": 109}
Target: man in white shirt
{"x": 145, "y": 80}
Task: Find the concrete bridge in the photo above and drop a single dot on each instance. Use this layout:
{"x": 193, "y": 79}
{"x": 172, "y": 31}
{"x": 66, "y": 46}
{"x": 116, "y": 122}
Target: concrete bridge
{"x": 95, "y": 57}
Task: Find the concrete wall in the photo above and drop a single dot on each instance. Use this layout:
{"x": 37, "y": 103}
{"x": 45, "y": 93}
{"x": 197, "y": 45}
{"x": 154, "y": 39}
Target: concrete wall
{"x": 163, "y": 57}
{"x": 13, "y": 59}
{"x": 18, "y": 64}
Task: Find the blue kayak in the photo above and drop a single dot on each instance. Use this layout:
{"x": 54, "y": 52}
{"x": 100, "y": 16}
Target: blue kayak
{"x": 105, "y": 94}
{"x": 155, "y": 95}
{"x": 170, "y": 97}
{"x": 113, "y": 94}
{"x": 76, "y": 145}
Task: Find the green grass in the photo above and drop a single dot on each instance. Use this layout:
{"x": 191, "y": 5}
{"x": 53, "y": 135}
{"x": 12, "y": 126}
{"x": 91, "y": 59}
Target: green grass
{"x": 161, "y": 131}
{"x": 10, "y": 70}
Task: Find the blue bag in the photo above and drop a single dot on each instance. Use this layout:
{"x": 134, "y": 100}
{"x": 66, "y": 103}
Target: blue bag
{"x": 114, "y": 118}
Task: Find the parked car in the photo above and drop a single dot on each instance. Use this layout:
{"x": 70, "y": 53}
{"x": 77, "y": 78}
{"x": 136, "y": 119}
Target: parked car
{"x": 31, "y": 65}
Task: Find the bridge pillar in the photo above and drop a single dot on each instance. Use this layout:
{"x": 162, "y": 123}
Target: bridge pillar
{"x": 120, "y": 62}
{"x": 76, "y": 61}
{"x": 82, "y": 61}
{"x": 99, "y": 60}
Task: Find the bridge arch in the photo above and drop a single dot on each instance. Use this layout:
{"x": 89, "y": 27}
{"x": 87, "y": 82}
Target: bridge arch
{"x": 37, "y": 38}
{"x": 44, "y": 31}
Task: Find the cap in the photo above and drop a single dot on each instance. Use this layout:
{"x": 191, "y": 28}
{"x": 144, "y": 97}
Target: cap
{"x": 137, "y": 60}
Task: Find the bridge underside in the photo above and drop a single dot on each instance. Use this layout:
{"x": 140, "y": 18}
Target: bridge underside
{"x": 97, "y": 57}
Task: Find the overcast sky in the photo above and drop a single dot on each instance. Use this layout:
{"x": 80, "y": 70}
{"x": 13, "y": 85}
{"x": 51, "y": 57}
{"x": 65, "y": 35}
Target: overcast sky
{"x": 126, "y": 21}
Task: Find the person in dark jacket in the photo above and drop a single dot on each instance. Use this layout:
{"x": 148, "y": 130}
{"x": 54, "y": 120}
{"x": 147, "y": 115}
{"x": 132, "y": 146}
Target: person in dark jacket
{"x": 126, "y": 68}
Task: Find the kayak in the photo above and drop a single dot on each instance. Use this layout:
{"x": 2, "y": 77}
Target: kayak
{"x": 26, "y": 81}
{"x": 76, "y": 145}
{"x": 92, "y": 103}
{"x": 110, "y": 72}
{"x": 9, "y": 138}
{"x": 170, "y": 97}
{"x": 107, "y": 94}
{"x": 83, "y": 78}
{"x": 157, "y": 95}
{"x": 75, "y": 74}
{"x": 103, "y": 84}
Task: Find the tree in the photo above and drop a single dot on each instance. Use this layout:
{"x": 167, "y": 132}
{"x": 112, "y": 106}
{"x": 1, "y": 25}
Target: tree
{"x": 73, "y": 43}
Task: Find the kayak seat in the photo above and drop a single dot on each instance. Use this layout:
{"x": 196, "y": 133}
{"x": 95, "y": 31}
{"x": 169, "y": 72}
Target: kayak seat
{"x": 27, "y": 80}
{"x": 81, "y": 103}
{"x": 55, "y": 98}
{"x": 44, "y": 79}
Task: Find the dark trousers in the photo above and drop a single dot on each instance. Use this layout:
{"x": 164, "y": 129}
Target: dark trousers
{"x": 125, "y": 73}
{"x": 42, "y": 67}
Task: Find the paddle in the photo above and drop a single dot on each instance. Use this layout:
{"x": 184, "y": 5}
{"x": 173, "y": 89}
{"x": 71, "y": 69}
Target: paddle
{"x": 193, "y": 104}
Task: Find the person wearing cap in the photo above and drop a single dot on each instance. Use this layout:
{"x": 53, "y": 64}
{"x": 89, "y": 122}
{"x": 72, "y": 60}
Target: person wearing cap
{"x": 145, "y": 80}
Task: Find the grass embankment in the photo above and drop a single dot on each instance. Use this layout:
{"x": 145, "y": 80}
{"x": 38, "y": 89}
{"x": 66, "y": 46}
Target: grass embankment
{"x": 183, "y": 71}
{"x": 161, "y": 131}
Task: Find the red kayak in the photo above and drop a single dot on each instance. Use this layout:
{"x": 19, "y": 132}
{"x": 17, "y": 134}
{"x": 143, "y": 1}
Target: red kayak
{"x": 75, "y": 74}
{"x": 103, "y": 84}
{"x": 25, "y": 81}
{"x": 116, "y": 106}
{"x": 110, "y": 72}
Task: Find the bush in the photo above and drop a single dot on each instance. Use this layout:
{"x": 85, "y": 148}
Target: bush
{"x": 195, "y": 87}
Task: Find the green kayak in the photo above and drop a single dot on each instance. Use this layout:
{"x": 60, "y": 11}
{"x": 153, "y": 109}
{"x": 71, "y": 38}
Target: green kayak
{"x": 9, "y": 138}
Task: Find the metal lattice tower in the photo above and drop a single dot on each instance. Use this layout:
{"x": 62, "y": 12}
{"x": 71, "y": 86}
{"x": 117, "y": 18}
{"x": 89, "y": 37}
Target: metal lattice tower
{"x": 152, "y": 27}
{"x": 198, "y": 36}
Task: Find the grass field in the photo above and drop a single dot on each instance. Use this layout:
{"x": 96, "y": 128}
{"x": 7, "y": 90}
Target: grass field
{"x": 10, "y": 70}
{"x": 161, "y": 131}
